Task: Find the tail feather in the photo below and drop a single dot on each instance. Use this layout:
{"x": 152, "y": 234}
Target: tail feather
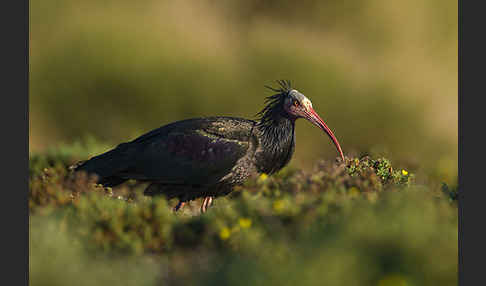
{"x": 111, "y": 181}
{"x": 107, "y": 166}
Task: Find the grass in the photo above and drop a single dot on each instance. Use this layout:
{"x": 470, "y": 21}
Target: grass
{"x": 364, "y": 222}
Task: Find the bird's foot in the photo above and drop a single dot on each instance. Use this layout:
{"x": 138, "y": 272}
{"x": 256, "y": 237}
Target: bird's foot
{"x": 179, "y": 206}
{"x": 207, "y": 202}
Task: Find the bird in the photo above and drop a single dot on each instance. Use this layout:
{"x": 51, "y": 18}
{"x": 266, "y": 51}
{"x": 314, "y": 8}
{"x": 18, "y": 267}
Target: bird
{"x": 207, "y": 157}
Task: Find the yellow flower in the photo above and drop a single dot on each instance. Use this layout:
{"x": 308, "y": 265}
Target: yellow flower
{"x": 262, "y": 177}
{"x": 245, "y": 222}
{"x": 225, "y": 233}
{"x": 404, "y": 172}
{"x": 353, "y": 191}
{"x": 278, "y": 205}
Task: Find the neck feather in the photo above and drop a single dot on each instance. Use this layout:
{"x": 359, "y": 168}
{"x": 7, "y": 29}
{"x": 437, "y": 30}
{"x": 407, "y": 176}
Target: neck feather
{"x": 278, "y": 143}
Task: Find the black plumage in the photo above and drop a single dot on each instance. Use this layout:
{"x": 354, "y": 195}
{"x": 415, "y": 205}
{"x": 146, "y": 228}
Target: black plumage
{"x": 207, "y": 157}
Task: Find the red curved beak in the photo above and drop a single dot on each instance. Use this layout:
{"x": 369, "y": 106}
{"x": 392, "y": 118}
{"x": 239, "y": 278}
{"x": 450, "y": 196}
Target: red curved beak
{"x": 313, "y": 117}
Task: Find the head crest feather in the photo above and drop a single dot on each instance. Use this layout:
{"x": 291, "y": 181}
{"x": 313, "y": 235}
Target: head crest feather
{"x": 274, "y": 103}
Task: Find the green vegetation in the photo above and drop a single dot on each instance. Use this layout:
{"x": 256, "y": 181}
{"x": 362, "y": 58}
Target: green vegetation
{"x": 358, "y": 223}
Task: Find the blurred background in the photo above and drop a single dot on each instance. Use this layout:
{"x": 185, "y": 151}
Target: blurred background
{"x": 382, "y": 74}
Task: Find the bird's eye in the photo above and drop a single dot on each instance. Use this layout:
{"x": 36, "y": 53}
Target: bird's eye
{"x": 296, "y": 103}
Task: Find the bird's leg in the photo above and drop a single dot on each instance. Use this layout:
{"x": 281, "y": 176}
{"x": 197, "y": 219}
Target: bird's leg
{"x": 179, "y": 206}
{"x": 203, "y": 205}
{"x": 206, "y": 204}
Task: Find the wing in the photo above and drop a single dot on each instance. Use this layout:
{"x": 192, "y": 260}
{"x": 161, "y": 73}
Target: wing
{"x": 197, "y": 151}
